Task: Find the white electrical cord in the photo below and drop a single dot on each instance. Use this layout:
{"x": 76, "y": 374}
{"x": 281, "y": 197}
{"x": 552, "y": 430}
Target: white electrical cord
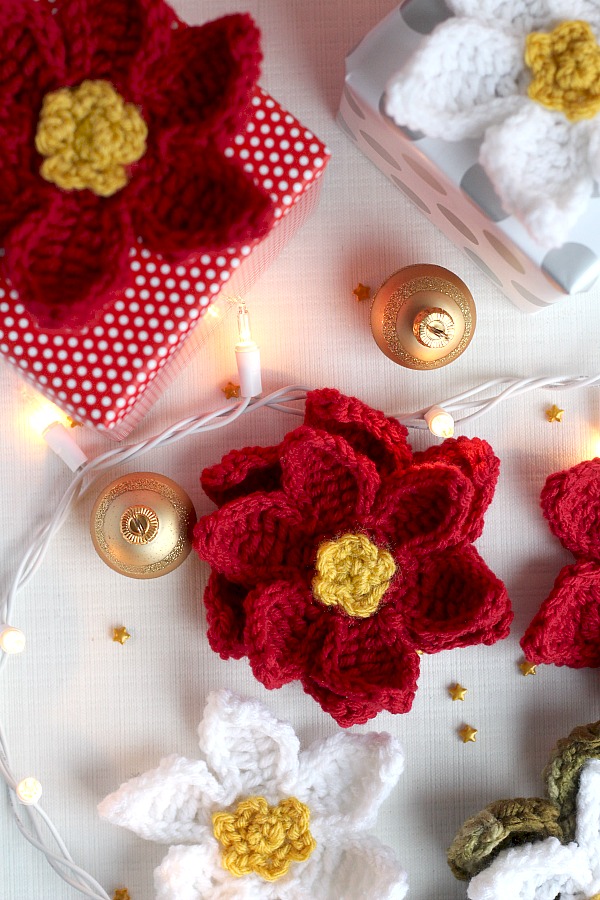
{"x": 32, "y": 821}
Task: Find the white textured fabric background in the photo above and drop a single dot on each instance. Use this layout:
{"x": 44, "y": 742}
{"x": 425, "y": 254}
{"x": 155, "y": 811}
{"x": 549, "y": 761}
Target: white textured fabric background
{"x": 84, "y": 714}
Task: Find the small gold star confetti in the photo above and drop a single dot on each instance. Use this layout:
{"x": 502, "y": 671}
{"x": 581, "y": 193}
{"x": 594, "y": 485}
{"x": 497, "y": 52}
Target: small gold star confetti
{"x": 72, "y": 423}
{"x": 457, "y": 691}
{"x": 231, "y": 390}
{"x": 527, "y": 668}
{"x": 122, "y": 894}
{"x": 419, "y": 652}
{"x": 467, "y": 733}
{"x": 361, "y": 292}
{"x": 554, "y": 414}
{"x": 120, "y": 635}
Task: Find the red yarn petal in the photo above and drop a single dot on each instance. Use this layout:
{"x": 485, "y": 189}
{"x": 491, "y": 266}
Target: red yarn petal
{"x": 207, "y": 79}
{"x": 62, "y": 258}
{"x": 225, "y": 615}
{"x": 364, "y": 667}
{"x": 425, "y": 508}
{"x": 566, "y": 629}
{"x": 193, "y": 199}
{"x": 285, "y": 629}
{"x": 242, "y": 472}
{"x": 571, "y": 503}
{"x": 368, "y": 431}
{"x": 457, "y": 602}
{"x": 326, "y": 480}
{"x": 117, "y": 40}
{"x": 32, "y": 60}
{"x": 481, "y": 466}
{"x": 253, "y": 539}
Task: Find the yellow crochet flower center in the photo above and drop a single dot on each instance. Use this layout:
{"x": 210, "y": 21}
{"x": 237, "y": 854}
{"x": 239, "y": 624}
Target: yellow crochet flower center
{"x": 264, "y": 839}
{"x": 352, "y": 573}
{"x": 565, "y": 64}
{"x": 89, "y": 135}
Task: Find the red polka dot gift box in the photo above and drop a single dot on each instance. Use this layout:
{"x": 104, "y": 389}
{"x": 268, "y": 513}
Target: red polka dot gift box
{"x": 157, "y": 185}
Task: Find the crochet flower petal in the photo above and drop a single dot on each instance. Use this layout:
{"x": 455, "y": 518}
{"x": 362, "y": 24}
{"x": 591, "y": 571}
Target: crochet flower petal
{"x": 118, "y": 43}
{"x": 537, "y": 161}
{"x": 33, "y": 57}
{"x": 457, "y": 602}
{"x": 207, "y": 78}
{"x": 464, "y": 77}
{"x": 478, "y": 462}
{"x": 285, "y": 630}
{"x": 566, "y": 629}
{"x": 588, "y": 813}
{"x": 326, "y": 480}
{"x": 252, "y": 539}
{"x": 362, "y": 669}
{"x": 196, "y": 873}
{"x": 368, "y": 431}
{"x": 512, "y": 13}
{"x": 537, "y": 871}
{"x": 586, "y": 10}
{"x": 357, "y": 867}
{"x": 571, "y": 502}
{"x": 226, "y": 617}
{"x": 64, "y": 257}
{"x": 242, "y": 472}
{"x": 345, "y": 778}
{"x": 171, "y": 803}
{"x": 248, "y": 748}
{"x": 425, "y": 508}
{"x": 192, "y": 198}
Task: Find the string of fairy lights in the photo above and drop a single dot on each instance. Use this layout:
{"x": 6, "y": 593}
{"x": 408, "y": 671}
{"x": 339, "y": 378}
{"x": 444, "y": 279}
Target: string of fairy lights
{"x": 441, "y": 419}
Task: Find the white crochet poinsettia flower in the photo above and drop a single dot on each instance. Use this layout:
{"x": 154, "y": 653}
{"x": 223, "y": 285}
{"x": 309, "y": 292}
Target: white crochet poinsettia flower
{"x": 248, "y": 753}
{"x": 469, "y": 79}
{"x": 549, "y": 870}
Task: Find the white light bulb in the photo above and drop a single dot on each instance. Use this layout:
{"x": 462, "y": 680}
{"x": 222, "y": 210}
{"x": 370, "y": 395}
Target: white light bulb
{"x": 29, "y": 791}
{"x": 439, "y": 422}
{"x": 247, "y": 355}
{"x": 12, "y": 640}
{"x": 58, "y": 438}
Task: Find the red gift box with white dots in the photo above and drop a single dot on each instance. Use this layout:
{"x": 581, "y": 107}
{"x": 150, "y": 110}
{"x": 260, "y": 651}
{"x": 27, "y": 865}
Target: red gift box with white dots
{"x": 109, "y": 373}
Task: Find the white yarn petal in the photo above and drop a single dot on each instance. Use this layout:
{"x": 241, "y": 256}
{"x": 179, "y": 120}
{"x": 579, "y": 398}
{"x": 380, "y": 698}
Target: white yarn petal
{"x": 524, "y": 15}
{"x": 171, "y": 803}
{"x": 587, "y": 10}
{"x": 247, "y": 747}
{"x": 196, "y": 873}
{"x": 464, "y": 77}
{"x": 359, "y": 868}
{"x": 587, "y": 833}
{"x": 345, "y": 778}
{"x": 538, "y": 871}
{"x": 537, "y": 162}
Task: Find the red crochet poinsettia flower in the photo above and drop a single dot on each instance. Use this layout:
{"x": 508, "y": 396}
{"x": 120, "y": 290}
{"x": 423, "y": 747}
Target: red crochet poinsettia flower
{"x": 339, "y": 554}
{"x": 566, "y": 629}
{"x": 86, "y": 79}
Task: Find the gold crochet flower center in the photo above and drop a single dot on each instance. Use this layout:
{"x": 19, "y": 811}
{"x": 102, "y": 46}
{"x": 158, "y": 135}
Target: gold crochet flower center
{"x": 565, "y": 65}
{"x": 352, "y": 573}
{"x": 89, "y": 135}
{"x": 264, "y": 839}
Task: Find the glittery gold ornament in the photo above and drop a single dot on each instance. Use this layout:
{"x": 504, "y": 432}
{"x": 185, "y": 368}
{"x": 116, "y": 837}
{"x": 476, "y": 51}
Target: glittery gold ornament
{"x": 527, "y": 668}
{"x": 467, "y": 733}
{"x": 554, "y": 413}
{"x": 457, "y": 691}
{"x": 142, "y": 525}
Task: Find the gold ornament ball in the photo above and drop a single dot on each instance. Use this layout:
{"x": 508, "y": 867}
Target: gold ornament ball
{"x": 142, "y": 525}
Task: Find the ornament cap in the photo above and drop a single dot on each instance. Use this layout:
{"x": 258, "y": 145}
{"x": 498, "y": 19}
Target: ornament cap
{"x": 423, "y": 316}
{"x": 142, "y": 524}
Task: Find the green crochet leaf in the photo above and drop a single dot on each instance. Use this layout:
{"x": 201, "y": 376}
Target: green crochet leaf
{"x": 502, "y": 824}
{"x": 562, "y": 772}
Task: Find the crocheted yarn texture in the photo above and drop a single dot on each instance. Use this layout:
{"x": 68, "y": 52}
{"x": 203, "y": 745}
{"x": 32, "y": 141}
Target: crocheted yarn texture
{"x": 566, "y": 629}
{"x": 114, "y": 118}
{"x": 523, "y": 75}
{"x": 264, "y": 819}
{"x": 338, "y": 555}
{"x": 539, "y": 849}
